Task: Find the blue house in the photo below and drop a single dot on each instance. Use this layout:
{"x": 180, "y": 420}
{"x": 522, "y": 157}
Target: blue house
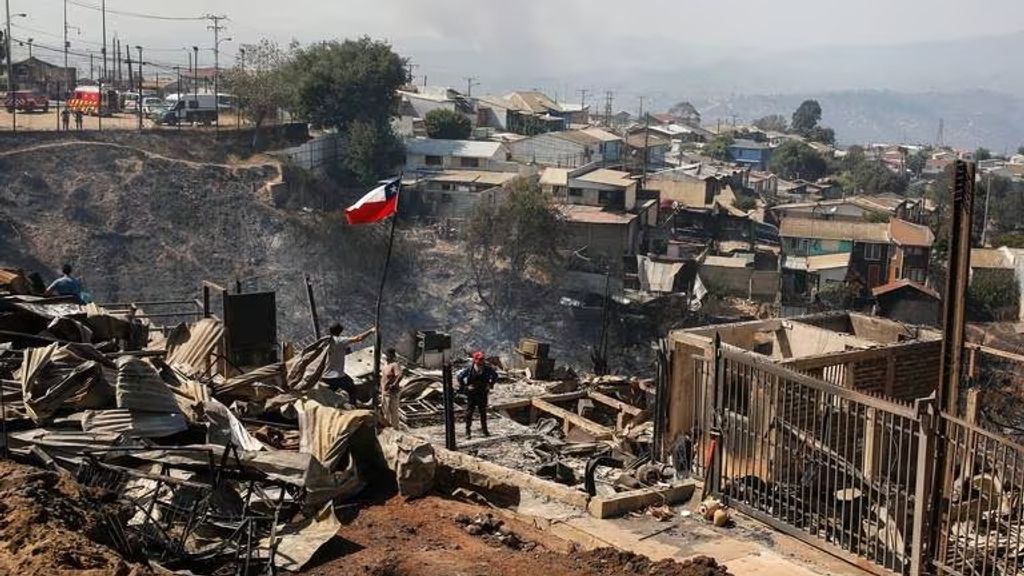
{"x": 751, "y": 154}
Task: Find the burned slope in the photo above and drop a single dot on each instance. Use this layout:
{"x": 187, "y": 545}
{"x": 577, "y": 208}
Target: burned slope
{"x": 140, "y": 226}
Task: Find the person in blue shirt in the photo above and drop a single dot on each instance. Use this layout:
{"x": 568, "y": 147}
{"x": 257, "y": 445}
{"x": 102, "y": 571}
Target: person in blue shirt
{"x": 66, "y": 285}
{"x": 476, "y": 382}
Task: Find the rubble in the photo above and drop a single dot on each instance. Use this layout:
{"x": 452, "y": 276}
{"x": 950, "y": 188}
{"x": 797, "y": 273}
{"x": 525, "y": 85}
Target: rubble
{"x": 493, "y": 531}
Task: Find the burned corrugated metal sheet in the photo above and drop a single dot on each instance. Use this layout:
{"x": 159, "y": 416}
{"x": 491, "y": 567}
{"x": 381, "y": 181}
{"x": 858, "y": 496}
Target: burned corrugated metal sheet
{"x": 225, "y": 429}
{"x": 140, "y": 387}
{"x": 189, "y": 349}
{"x": 259, "y": 384}
{"x": 67, "y": 445}
{"x": 47, "y": 383}
{"x": 325, "y": 431}
{"x": 305, "y": 370}
{"x": 132, "y": 423}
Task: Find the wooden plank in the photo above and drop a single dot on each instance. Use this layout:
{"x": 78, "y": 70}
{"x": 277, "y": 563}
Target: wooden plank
{"x": 617, "y": 404}
{"x": 998, "y": 353}
{"x": 621, "y": 503}
{"x": 596, "y": 430}
{"x": 525, "y": 402}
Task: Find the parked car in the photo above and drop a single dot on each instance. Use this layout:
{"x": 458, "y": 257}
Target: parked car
{"x": 152, "y": 103}
{"x": 26, "y": 101}
{"x": 189, "y": 109}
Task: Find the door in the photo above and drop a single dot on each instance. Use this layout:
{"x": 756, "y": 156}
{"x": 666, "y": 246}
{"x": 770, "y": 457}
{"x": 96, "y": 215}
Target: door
{"x": 874, "y": 275}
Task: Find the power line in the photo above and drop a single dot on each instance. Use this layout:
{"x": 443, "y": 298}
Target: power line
{"x": 138, "y": 14}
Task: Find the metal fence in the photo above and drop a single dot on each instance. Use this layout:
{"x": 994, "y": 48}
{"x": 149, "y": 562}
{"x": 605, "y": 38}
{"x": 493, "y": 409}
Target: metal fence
{"x": 822, "y": 463}
{"x": 981, "y": 522}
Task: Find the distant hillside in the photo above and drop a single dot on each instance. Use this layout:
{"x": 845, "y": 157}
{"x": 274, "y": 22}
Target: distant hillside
{"x": 971, "y": 118}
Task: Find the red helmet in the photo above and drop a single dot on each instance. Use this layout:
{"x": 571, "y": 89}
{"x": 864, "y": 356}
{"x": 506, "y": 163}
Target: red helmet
{"x": 478, "y": 356}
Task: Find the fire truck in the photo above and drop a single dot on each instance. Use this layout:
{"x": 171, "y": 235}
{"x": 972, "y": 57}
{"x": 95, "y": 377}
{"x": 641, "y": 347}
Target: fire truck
{"x": 26, "y": 101}
{"x": 87, "y": 100}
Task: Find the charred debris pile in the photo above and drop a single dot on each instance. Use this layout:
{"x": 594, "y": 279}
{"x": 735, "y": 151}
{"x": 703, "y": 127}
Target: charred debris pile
{"x": 230, "y": 458}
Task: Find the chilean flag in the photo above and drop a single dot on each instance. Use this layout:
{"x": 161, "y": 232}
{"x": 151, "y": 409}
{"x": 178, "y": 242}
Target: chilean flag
{"x": 377, "y": 205}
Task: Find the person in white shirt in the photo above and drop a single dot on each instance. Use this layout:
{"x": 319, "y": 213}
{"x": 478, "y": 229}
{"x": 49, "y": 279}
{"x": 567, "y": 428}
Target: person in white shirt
{"x": 334, "y": 373}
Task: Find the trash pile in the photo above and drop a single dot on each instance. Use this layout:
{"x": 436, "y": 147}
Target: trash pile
{"x": 220, "y": 465}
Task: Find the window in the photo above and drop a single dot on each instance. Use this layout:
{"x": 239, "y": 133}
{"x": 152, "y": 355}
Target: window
{"x": 469, "y": 162}
{"x": 917, "y": 275}
{"x": 433, "y": 161}
{"x": 873, "y": 251}
{"x": 604, "y": 197}
{"x": 802, "y": 246}
{"x": 576, "y": 192}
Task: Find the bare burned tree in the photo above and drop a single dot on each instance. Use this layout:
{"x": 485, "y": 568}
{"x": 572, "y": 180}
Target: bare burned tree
{"x": 513, "y": 246}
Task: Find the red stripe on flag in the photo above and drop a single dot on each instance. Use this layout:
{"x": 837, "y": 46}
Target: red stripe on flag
{"x": 371, "y": 212}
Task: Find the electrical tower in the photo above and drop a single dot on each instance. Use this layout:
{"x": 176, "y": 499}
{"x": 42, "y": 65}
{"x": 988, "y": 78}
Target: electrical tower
{"x": 940, "y": 137}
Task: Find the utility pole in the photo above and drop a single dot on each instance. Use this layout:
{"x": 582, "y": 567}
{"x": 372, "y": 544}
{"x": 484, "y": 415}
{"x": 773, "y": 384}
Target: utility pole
{"x": 99, "y": 114}
{"x": 640, "y": 114}
{"x": 216, "y": 27}
{"x": 409, "y": 68}
{"x": 139, "y": 48}
{"x": 195, "y": 79}
{"x": 10, "y": 68}
{"x": 64, "y": 73}
{"x": 988, "y": 196}
{"x": 178, "y": 91}
{"x": 647, "y": 142}
{"x": 470, "y": 82}
{"x": 30, "y": 41}
{"x": 583, "y": 97}
{"x": 609, "y": 98}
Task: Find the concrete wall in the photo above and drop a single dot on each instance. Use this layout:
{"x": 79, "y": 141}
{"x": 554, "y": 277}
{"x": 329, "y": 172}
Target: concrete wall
{"x": 548, "y": 150}
{"x": 609, "y": 241}
{"x": 743, "y": 282}
{"x": 459, "y": 204}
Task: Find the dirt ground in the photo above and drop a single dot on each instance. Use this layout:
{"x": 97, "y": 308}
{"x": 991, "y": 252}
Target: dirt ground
{"x": 50, "y": 525}
{"x": 425, "y": 538}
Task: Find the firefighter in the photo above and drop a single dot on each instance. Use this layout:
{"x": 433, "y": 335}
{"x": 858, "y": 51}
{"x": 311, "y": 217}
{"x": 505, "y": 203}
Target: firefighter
{"x": 78, "y": 119}
{"x": 65, "y": 118}
{"x": 476, "y": 382}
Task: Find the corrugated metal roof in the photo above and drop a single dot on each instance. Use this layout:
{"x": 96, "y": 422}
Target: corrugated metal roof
{"x": 595, "y": 215}
{"x": 472, "y": 176}
{"x": 828, "y": 261}
{"x": 608, "y": 177}
{"x": 793, "y": 227}
{"x": 900, "y": 284}
{"x": 990, "y": 258}
{"x": 324, "y": 432}
{"x": 458, "y": 148}
{"x": 554, "y": 177}
{"x": 602, "y": 135}
{"x": 658, "y": 276}
{"x": 726, "y": 262}
{"x": 907, "y": 234}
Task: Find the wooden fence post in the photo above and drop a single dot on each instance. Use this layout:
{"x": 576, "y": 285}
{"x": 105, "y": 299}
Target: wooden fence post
{"x": 922, "y": 547}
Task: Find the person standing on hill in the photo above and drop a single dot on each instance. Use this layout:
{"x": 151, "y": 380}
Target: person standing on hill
{"x": 66, "y": 285}
{"x": 476, "y": 381}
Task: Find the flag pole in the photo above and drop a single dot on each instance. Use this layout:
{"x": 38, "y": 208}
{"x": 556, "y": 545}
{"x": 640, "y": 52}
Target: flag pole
{"x": 376, "y": 319}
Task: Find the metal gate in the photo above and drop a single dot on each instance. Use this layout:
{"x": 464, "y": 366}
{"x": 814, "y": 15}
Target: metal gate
{"x": 830, "y": 466}
{"x": 981, "y": 524}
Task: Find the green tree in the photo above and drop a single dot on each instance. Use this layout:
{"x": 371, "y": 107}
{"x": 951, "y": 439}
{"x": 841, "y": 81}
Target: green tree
{"x": 772, "y": 123}
{"x": 373, "y": 151}
{"x": 340, "y": 83}
{"x": 1020, "y": 150}
{"x": 260, "y": 82}
{"x": 806, "y": 117}
{"x": 447, "y": 125}
{"x": 982, "y": 153}
{"x": 718, "y": 148}
{"x": 350, "y": 86}
{"x": 795, "y": 159}
{"x": 822, "y": 134}
{"x": 511, "y": 243}
{"x": 993, "y": 296}
{"x": 917, "y": 162}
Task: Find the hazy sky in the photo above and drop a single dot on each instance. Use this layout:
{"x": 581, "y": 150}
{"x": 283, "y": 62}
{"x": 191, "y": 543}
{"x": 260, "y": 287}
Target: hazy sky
{"x": 529, "y": 40}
